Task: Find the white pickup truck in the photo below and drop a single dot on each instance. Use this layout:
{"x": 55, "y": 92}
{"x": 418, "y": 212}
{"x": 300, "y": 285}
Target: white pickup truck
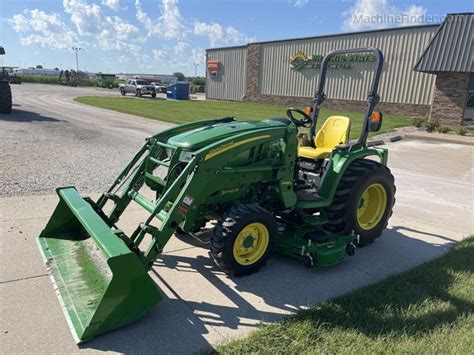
{"x": 138, "y": 87}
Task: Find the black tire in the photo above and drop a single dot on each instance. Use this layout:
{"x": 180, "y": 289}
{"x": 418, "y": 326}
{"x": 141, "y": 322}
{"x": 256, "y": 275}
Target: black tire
{"x": 110, "y": 86}
{"x": 5, "y": 98}
{"x": 153, "y": 95}
{"x": 139, "y": 93}
{"x": 122, "y": 91}
{"x": 227, "y": 230}
{"x": 342, "y": 213}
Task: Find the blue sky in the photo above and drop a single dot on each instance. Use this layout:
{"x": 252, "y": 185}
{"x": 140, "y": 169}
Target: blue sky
{"x": 163, "y": 36}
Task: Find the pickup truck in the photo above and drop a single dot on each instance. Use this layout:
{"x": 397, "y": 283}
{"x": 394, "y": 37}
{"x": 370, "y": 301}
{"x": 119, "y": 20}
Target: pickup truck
{"x": 160, "y": 88}
{"x": 137, "y": 87}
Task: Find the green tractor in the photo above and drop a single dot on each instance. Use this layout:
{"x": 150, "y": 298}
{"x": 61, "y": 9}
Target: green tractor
{"x": 5, "y": 92}
{"x": 266, "y": 190}
{"x": 105, "y": 80}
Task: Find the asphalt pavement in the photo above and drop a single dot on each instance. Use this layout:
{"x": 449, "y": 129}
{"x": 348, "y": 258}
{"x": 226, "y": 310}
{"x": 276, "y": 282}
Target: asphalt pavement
{"x": 50, "y": 140}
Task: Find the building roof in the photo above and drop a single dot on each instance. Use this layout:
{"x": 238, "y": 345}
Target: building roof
{"x": 328, "y": 35}
{"x": 451, "y": 49}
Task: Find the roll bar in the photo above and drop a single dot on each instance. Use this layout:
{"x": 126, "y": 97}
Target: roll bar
{"x": 372, "y": 99}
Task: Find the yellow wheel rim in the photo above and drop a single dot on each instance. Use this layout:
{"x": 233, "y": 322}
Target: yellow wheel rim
{"x": 251, "y": 244}
{"x": 372, "y": 205}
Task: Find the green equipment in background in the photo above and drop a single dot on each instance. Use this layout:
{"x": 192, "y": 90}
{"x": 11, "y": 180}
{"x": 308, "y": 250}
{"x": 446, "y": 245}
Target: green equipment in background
{"x": 105, "y": 80}
{"x": 313, "y": 198}
{"x": 8, "y": 74}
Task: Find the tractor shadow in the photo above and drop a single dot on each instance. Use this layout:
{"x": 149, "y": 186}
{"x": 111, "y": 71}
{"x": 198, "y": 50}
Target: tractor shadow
{"x": 27, "y": 116}
{"x": 203, "y": 306}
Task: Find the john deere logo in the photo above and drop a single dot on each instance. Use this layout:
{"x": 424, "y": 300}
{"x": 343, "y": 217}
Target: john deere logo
{"x": 300, "y": 60}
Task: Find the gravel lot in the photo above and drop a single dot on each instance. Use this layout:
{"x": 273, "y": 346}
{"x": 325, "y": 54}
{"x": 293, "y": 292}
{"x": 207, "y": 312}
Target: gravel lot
{"x": 49, "y": 141}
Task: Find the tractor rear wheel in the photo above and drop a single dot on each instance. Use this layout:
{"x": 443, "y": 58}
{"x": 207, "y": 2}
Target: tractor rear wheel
{"x": 244, "y": 239}
{"x": 363, "y": 201}
{"x": 5, "y": 97}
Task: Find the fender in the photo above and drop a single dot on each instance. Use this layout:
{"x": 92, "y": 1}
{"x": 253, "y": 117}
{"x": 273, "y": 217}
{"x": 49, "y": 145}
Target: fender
{"x": 337, "y": 166}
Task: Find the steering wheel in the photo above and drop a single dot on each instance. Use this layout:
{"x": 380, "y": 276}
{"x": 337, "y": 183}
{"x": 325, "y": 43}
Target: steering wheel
{"x": 302, "y": 122}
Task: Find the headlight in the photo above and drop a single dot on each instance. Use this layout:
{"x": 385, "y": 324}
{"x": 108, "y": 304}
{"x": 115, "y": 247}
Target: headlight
{"x": 186, "y": 156}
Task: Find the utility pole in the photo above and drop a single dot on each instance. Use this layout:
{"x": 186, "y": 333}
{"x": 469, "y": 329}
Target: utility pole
{"x": 196, "y": 69}
{"x": 77, "y": 59}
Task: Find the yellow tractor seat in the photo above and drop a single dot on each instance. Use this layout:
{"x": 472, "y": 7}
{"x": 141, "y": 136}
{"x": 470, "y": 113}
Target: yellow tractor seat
{"x": 335, "y": 131}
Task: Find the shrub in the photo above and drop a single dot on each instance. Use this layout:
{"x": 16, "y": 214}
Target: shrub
{"x": 431, "y": 126}
{"x": 418, "y": 121}
{"x": 443, "y": 129}
{"x": 461, "y": 131}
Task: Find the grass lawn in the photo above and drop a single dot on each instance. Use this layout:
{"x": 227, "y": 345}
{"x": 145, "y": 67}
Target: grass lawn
{"x": 187, "y": 111}
{"x": 427, "y": 310}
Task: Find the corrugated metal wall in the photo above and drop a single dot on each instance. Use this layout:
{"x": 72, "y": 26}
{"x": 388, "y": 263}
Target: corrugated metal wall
{"x": 399, "y": 83}
{"x": 229, "y": 84}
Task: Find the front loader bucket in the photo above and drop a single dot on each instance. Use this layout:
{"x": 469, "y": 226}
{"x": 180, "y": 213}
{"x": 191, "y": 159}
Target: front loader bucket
{"x": 101, "y": 284}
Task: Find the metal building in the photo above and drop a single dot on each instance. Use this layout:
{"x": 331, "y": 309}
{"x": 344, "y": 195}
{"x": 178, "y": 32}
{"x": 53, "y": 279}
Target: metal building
{"x": 450, "y": 58}
{"x": 286, "y": 71}
{"x": 229, "y": 84}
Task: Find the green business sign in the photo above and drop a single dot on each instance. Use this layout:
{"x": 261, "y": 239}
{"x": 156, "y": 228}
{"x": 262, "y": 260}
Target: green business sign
{"x": 301, "y": 61}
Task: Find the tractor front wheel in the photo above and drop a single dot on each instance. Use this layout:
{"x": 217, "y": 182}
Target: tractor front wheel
{"x": 244, "y": 239}
{"x": 363, "y": 201}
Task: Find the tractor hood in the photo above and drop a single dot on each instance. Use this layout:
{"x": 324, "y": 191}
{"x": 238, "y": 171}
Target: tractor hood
{"x": 203, "y": 136}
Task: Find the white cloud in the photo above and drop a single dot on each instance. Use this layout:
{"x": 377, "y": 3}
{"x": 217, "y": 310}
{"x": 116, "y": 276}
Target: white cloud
{"x": 111, "y": 33}
{"x": 298, "y": 3}
{"x": 198, "y": 56}
{"x": 180, "y": 47}
{"x": 122, "y": 29}
{"x": 86, "y": 17}
{"x": 219, "y": 35}
{"x": 168, "y": 25}
{"x": 113, "y": 4}
{"x": 87, "y": 23}
{"x": 159, "y": 54}
{"x": 43, "y": 29}
{"x": 213, "y": 31}
{"x": 19, "y": 22}
{"x": 375, "y": 14}
{"x": 124, "y": 59}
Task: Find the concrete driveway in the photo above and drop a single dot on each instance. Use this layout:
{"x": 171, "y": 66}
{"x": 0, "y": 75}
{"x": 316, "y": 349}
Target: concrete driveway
{"x": 50, "y": 140}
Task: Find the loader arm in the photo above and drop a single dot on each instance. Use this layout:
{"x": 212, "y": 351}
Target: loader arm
{"x": 180, "y": 200}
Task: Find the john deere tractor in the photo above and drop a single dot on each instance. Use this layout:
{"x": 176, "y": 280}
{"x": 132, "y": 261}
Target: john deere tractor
{"x": 316, "y": 200}
{"x": 5, "y": 92}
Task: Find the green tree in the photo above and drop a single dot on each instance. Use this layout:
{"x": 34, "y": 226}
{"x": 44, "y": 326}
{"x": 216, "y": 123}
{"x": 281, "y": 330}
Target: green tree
{"x": 198, "y": 81}
{"x": 39, "y": 66}
{"x": 179, "y": 75}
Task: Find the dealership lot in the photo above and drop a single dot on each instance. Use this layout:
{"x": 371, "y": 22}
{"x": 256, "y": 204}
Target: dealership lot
{"x": 52, "y": 141}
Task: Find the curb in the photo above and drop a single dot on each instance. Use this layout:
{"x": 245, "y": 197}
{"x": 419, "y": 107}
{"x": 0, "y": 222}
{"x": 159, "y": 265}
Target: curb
{"x": 439, "y": 139}
{"x": 373, "y": 143}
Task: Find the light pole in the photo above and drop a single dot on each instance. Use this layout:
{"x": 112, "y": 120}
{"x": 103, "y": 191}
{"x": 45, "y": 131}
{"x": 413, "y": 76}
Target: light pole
{"x": 77, "y": 59}
{"x": 196, "y": 69}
